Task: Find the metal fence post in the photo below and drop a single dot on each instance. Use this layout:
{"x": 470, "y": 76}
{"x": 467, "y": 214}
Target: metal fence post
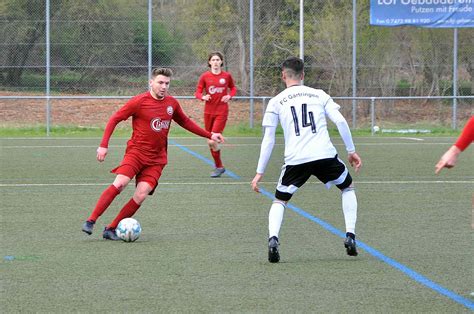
{"x": 48, "y": 70}
{"x": 354, "y": 64}
{"x": 455, "y": 76}
{"x": 251, "y": 87}
{"x": 372, "y": 115}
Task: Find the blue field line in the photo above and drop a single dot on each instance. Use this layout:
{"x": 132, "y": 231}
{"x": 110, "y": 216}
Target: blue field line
{"x": 375, "y": 253}
{"x": 206, "y": 160}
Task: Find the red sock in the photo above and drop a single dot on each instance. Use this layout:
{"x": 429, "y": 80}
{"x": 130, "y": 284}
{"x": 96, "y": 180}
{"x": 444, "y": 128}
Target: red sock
{"x": 217, "y": 158}
{"x": 127, "y": 211}
{"x": 104, "y": 202}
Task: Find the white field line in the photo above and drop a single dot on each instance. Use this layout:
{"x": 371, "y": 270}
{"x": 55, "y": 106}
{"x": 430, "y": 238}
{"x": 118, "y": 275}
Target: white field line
{"x": 205, "y": 145}
{"x": 412, "y": 138}
{"x": 194, "y": 137}
{"x": 228, "y": 183}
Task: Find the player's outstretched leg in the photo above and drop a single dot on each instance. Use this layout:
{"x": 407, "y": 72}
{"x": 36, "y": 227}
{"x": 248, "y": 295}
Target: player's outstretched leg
{"x": 273, "y": 254}
{"x": 350, "y": 244}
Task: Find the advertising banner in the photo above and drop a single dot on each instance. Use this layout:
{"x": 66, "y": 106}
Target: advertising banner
{"x": 422, "y": 13}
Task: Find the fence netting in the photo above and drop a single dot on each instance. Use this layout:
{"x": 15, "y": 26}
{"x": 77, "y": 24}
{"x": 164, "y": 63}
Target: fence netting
{"x": 101, "y": 48}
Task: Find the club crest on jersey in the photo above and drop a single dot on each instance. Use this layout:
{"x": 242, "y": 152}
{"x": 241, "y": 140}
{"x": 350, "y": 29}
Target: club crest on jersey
{"x": 214, "y": 89}
{"x": 222, "y": 81}
{"x": 169, "y": 110}
{"x": 157, "y": 124}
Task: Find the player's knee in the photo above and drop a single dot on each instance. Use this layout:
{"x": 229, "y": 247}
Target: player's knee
{"x": 140, "y": 196}
{"x": 277, "y": 201}
{"x": 120, "y": 185}
{"x": 213, "y": 145}
{"x": 121, "y": 182}
{"x": 348, "y": 189}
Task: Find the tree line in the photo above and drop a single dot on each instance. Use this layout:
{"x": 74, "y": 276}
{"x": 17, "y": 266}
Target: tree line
{"x": 98, "y": 43}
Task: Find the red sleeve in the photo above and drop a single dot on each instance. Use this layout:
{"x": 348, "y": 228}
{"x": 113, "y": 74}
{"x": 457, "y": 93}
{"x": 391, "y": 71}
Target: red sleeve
{"x": 467, "y": 135}
{"x": 183, "y": 120}
{"x": 233, "y": 89}
{"x": 199, "y": 88}
{"x": 120, "y": 115}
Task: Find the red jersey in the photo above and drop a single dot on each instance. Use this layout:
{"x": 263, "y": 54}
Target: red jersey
{"x": 467, "y": 135}
{"x": 151, "y": 122}
{"x": 216, "y": 85}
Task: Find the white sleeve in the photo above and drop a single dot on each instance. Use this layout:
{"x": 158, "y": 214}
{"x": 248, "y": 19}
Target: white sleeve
{"x": 270, "y": 118}
{"x": 342, "y": 127}
{"x": 266, "y": 149}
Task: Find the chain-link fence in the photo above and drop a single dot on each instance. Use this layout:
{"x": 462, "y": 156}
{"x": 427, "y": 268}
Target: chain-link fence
{"x": 102, "y": 48}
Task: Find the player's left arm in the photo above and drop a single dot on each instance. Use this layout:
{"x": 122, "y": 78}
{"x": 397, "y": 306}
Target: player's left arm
{"x": 120, "y": 115}
{"x": 343, "y": 128}
{"x": 232, "y": 90}
{"x": 184, "y": 121}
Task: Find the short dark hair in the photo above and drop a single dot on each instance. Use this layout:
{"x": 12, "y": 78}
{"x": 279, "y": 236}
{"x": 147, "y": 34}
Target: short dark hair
{"x": 161, "y": 71}
{"x": 293, "y": 66}
{"x": 215, "y": 53}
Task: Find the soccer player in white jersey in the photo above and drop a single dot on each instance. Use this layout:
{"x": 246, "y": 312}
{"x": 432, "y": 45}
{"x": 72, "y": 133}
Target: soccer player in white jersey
{"x": 302, "y": 112}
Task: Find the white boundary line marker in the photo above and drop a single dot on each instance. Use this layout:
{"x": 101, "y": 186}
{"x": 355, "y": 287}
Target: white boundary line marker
{"x": 228, "y": 183}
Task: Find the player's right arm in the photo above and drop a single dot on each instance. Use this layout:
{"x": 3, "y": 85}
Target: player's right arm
{"x": 268, "y": 142}
{"x": 270, "y": 123}
{"x": 120, "y": 115}
{"x": 200, "y": 88}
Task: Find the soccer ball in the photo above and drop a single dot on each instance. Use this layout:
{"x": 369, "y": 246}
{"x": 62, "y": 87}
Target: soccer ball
{"x": 128, "y": 229}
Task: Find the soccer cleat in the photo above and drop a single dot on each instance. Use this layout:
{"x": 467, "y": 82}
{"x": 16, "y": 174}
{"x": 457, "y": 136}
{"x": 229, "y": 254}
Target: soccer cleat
{"x": 350, "y": 245}
{"x": 88, "y": 226}
{"x": 217, "y": 172}
{"x": 273, "y": 254}
{"x": 109, "y": 234}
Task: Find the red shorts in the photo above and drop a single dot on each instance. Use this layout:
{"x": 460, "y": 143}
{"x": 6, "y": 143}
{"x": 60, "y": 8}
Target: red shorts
{"x": 131, "y": 166}
{"x": 214, "y": 123}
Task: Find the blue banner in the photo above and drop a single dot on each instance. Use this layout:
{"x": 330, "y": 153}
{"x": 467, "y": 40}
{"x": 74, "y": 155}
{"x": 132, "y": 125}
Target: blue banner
{"x": 422, "y": 13}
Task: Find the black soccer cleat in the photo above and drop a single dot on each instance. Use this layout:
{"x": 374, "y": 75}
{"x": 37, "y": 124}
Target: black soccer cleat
{"x": 109, "y": 234}
{"x": 88, "y": 226}
{"x": 273, "y": 254}
{"x": 350, "y": 245}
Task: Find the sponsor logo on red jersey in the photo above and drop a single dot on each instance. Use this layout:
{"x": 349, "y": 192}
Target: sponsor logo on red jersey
{"x": 157, "y": 124}
{"x": 214, "y": 90}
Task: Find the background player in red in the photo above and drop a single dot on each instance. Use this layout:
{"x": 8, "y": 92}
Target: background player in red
{"x": 450, "y": 157}
{"x": 219, "y": 88}
{"x": 146, "y": 152}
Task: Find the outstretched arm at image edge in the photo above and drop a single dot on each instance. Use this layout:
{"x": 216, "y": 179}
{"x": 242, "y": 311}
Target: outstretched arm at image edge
{"x": 450, "y": 157}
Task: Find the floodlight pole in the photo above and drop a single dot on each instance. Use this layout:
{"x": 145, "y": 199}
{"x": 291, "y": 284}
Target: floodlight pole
{"x": 455, "y": 77}
{"x": 48, "y": 70}
{"x": 251, "y": 63}
{"x": 302, "y": 30}
{"x": 150, "y": 25}
{"x": 354, "y": 64}
{"x": 302, "y": 33}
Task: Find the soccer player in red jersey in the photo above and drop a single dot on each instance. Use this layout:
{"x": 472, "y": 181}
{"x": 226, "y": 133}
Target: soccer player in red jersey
{"x": 449, "y": 159}
{"x": 219, "y": 88}
{"x": 146, "y": 152}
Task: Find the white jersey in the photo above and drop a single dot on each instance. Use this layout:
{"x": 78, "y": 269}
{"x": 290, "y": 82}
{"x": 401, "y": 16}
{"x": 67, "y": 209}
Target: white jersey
{"x": 302, "y": 111}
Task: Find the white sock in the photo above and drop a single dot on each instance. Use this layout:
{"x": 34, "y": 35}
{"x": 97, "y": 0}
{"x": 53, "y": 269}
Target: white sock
{"x": 349, "y": 207}
{"x": 275, "y": 219}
